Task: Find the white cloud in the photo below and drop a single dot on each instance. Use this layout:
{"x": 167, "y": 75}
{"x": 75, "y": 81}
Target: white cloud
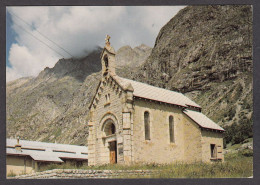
{"x": 78, "y": 29}
{"x": 25, "y": 63}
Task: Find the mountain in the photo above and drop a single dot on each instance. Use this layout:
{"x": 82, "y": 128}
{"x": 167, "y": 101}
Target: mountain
{"x": 53, "y": 106}
{"x": 204, "y": 52}
{"x": 42, "y": 108}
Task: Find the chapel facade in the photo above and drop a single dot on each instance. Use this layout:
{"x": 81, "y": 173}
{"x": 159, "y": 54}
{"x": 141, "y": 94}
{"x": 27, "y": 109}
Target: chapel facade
{"x": 133, "y": 122}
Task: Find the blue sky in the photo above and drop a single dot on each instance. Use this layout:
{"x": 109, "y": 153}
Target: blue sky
{"x": 77, "y": 30}
{"x": 10, "y": 36}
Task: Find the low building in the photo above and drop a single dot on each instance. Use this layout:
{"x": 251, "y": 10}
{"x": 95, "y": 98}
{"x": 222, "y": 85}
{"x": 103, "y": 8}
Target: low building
{"x": 24, "y": 156}
{"x": 133, "y": 122}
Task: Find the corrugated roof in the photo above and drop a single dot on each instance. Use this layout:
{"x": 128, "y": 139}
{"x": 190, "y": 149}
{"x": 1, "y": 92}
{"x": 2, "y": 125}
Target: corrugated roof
{"x": 48, "y": 146}
{"x": 42, "y": 151}
{"x": 202, "y": 120}
{"x": 36, "y": 155}
{"x": 158, "y": 94}
{"x": 46, "y": 157}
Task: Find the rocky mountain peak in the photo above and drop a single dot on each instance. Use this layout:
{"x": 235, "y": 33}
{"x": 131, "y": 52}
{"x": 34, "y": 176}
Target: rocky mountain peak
{"x": 132, "y": 57}
{"x": 78, "y": 68}
{"x": 143, "y": 47}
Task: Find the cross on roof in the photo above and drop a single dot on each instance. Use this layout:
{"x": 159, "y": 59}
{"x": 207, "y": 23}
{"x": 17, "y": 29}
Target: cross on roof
{"x": 107, "y": 39}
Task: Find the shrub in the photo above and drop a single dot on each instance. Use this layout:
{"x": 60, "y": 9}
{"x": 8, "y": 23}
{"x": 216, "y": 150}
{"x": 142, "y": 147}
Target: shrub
{"x": 247, "y": 153}
{"x": 237, "y": 133}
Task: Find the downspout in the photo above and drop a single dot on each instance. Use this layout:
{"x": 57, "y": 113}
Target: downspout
{"x": 25, "y": 164}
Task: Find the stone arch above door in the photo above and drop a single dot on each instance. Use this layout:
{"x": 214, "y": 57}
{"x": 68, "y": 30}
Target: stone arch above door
{"x": 107, "y": 120}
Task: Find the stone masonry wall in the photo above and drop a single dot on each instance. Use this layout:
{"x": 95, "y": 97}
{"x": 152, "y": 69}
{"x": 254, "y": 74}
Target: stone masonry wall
{"x": 209, "y": 137}
{"x": 83, "y": 174}
{"x": 190, "y": 142}
{"x": 104, "y": 110}
{"x": 158, "y": 149}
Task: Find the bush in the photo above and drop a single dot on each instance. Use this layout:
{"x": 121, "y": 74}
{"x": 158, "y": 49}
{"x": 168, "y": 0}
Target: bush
{"x": 237, "y": 133}
{"x": 247, "y": 153}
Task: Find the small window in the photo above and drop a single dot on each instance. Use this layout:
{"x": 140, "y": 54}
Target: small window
{"x": 147, "y": 125}
{"x": 213, "y": 150}
{"x": 171, "y": 129}
{"x": 107, "y": 96}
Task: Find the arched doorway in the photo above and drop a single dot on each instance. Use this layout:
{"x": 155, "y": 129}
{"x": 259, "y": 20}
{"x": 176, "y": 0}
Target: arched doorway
{"x": 110, "y": 138}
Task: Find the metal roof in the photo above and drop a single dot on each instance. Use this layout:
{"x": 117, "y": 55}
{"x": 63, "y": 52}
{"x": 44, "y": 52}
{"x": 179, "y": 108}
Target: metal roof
{"x": 202, "y": 120}
{"x": 146, "y": 91}
{"x": 41, "y": 151}
{"x": 48, "y": 156}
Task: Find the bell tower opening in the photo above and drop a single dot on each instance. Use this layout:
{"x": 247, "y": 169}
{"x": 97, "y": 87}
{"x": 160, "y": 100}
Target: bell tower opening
{"x": 106, "y": 61}
{"x": 108, "y": 58}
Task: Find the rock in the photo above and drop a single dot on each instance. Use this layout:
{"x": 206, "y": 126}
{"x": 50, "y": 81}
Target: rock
{"x": 247, "y": 146}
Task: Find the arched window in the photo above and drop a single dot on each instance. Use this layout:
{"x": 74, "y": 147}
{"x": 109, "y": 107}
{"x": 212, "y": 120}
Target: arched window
{"x": 147, "y": 125}
{"x": 171, "y": 129}
{"x": 112, "y": 129}
{"x": 109, "y": 127}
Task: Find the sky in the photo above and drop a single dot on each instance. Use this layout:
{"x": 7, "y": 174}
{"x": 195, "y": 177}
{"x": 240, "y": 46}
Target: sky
{"x": 37, "y": 37}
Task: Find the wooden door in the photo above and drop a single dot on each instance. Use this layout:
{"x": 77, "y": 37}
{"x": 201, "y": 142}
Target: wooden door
{"x": 113, "y": 155}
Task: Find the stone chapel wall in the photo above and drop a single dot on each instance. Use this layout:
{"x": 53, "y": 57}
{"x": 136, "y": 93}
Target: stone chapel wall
{"x": 208, "y": 138}
{"x": 112, "y": 109}
{"x": 192, "y": 140}
{"x": 158, "y": 149}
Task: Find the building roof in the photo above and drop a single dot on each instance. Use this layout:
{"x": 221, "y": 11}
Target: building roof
{"x": 146, "y": 91}
{"x": 202, "y": 120}
{"x": 41, "y": 151}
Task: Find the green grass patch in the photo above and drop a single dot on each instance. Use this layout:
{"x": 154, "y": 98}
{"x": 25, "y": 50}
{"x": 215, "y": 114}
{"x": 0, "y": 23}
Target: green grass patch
{"x": 236, "y": 165}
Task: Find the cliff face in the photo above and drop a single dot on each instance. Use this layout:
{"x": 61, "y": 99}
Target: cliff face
{"x": 204, "y": 52}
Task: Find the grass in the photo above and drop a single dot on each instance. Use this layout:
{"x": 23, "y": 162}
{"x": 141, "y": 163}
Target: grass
{"x": 236, "y": 165}
{"x": 234, "y": 146}
{"x": 11, "y": 174}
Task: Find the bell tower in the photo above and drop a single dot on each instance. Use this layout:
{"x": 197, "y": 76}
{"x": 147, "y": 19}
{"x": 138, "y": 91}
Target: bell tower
{"x": 108, "y": 58}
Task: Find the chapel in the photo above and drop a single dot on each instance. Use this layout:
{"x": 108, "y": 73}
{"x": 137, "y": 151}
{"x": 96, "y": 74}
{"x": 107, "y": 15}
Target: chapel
{"x": 133, "y": 122}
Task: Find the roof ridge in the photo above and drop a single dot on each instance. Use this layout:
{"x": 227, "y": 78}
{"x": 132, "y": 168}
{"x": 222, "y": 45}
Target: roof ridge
{"x": 151, "y": 85}
{"x": 174, "y": 96}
